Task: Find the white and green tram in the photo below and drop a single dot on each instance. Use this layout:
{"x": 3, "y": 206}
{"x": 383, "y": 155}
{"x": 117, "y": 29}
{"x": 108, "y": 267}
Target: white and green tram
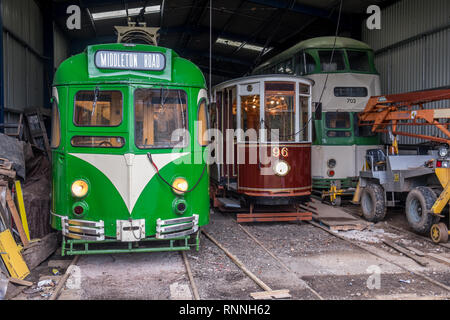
{"x": 345, "y": 77}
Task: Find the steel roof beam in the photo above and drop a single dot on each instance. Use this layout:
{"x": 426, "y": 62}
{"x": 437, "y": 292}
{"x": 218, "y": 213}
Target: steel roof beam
{"x": 299, "y": 8}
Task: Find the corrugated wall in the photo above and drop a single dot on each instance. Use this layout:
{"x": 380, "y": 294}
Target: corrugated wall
{"x": 61, "y": 47}
{"x": 423, "y": 60}
{"x": 23, "y": 69}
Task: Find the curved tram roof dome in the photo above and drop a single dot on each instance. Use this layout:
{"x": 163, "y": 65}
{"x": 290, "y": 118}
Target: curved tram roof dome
{"x": 318, "y": 43}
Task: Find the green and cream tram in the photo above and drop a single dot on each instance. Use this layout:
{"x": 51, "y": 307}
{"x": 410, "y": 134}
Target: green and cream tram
{"x": 344, "y": 81}
{"x": 127, "y": 151}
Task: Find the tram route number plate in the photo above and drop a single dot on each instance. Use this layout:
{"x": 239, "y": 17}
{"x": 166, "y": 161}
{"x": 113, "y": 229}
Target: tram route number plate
{"x": 130, "y": 60}
{"x": 130, "y": 230}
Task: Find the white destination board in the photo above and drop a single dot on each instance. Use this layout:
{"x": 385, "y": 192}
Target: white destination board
{"x": 130, "y": 60}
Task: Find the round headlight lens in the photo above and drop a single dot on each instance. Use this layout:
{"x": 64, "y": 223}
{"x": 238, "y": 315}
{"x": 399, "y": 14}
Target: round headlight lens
{"x": 180, "y": 185}
{"x": 331, "y": 163}
{"x": 281, "y": 168}
{"x": 443, "y": 151}
{"x": 79, "y": 188}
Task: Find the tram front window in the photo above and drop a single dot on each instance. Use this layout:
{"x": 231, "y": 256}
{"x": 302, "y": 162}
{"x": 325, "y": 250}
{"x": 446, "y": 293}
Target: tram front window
{"x": 280, "y": 111}
{"x": 158, "y": 113}
{"x": 359, "y": 60}
{"x": 98, "y": 108}
{"x": 340, "y": 121}
{"x": 332, "y": 61}
{"x": 250, "y": 113}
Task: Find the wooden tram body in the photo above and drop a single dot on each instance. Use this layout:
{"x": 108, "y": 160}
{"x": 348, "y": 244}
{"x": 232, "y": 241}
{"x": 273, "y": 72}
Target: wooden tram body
{"x": 253, "y": 168}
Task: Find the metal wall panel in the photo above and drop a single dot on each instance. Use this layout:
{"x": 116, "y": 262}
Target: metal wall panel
{"x": 423, "y": 63}
{"x": 61, "y": 47}
{"x": 23, "y": 69}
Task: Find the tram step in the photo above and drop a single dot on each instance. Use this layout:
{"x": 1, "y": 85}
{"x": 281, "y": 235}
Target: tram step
{"x": 229, "y": 203}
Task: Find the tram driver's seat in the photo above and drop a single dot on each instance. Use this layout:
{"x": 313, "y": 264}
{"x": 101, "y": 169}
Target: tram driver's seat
{"x": 376, "y": 159}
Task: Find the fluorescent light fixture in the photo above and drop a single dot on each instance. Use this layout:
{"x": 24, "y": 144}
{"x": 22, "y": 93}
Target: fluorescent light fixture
{"x": 123, "y": 13}
{"x": 238, "y": 44}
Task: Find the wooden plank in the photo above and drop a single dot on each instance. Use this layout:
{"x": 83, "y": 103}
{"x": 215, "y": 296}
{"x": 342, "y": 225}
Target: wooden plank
{"x": 416, "y": 251}
{"x": 8, "y": 173}
{"x": 276, "y": 214}
{"x": 277, "y": 294}
{"x": 36, "y": 253}
{"x": 405, "y": 252}
{"x": 12, "y": 258}
{"x": 23, "y": 214}
{"x": 61, "y": 283}
{"x": 15, "y": 214}
{"x": 21, "y": 282}
{"x": 439, "y": 258}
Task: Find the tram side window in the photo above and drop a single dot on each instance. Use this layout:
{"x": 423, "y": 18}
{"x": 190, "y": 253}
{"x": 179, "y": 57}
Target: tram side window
{"x": 56, "y": 125}
{"x": 330, "y": 65}
{"x": 98, "y": 108}
{"x": 306, "y": 64}
{"x": 158, "y": 113}
{"x": 359, "y": 60}
{"x": 202, "y": 124}
{"x": 338, "y": 120}
{"x": 280, "y": 111}
{"x": 304, "y": 119}
{"x": 250, "y": 106}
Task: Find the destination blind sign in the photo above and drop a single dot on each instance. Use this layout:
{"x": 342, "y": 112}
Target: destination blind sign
{"x": 130, "y": 60}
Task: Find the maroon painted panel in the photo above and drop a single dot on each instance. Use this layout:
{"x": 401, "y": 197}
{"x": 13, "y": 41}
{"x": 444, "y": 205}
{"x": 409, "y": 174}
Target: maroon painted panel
{"x": 296, "y": 182}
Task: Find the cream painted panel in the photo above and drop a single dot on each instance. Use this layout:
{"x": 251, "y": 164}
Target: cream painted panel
{"x": 128, "y": 173}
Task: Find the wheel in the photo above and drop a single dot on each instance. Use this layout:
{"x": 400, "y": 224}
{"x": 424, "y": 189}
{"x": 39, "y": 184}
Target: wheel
{"x": 439, "y": 233}
{"x": 372, "y": 203}
{"x": 419, "y": 202}
{"x": 337, "y": 202}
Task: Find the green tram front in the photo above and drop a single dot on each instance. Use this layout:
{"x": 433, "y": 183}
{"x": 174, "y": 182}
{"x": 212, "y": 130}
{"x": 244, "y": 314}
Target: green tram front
{"x": 127, "y": 151}
{"x": 345, "y": 77}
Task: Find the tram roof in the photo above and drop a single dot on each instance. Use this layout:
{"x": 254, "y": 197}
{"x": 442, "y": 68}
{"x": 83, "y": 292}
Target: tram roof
{"x": 318, "y": 43}
{"x": 82, "y": 69}
{"x": 268, "y": 77}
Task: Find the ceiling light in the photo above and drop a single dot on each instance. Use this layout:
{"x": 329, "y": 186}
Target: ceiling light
{"x": 123, "y": 13}
{"x": 233, "y": 43}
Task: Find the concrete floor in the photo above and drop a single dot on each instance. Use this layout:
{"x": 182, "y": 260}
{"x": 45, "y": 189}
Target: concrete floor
{"x": 334, "y": 268}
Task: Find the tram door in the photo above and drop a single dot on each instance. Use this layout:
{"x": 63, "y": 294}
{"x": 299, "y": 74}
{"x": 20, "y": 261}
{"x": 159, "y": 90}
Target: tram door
{"x": 229, "y": 144}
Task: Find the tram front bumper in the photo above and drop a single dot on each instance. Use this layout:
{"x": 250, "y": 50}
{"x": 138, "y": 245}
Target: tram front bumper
{"x": 176, "y": 228}
{"x": 129, "y": 231}
{"x": 82, "y": 229}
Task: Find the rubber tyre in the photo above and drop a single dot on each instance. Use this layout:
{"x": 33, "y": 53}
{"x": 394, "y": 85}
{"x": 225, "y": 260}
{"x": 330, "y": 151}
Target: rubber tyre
{"x": 337, "y": 202}
{"x": 372, "y": 203}
{"x": 419, "y": 200}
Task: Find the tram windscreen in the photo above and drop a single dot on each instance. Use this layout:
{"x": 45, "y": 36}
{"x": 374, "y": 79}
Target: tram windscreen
{"x": 280, "y": 111}
{"x": 98, "y": 108}
{"x": 338, "y": 120}
{"x": 160, "y": 118}
{"x": 359, "y": 60}
{"x": 330, "y": 61}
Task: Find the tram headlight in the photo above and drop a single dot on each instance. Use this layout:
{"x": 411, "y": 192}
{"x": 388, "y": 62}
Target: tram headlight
{"x": 443, "y": 151}
{"x": 281, "y": 168}
{"x": 331, "y": 163}
{"x": 180, "y": 185}
{"x": 79, "y": 188}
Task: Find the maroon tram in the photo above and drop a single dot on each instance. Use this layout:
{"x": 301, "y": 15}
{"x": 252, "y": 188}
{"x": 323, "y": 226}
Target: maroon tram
{"x": 262, "y": 146}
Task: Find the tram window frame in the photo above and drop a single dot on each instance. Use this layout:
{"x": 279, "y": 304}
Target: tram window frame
{"x": 97, "y": 126}
{"x": 282, "y": 93}
{"x": 304, "y": 66}
{"x": 202, "y": 141}
{"x": 326, "y": 60}
{"x": 352, "y": 90}
{"x": 97, "y": 146}
{"x": 367, "y": 60}
{"x": 56, "y": 125}
{"x": 173, "y": 145}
